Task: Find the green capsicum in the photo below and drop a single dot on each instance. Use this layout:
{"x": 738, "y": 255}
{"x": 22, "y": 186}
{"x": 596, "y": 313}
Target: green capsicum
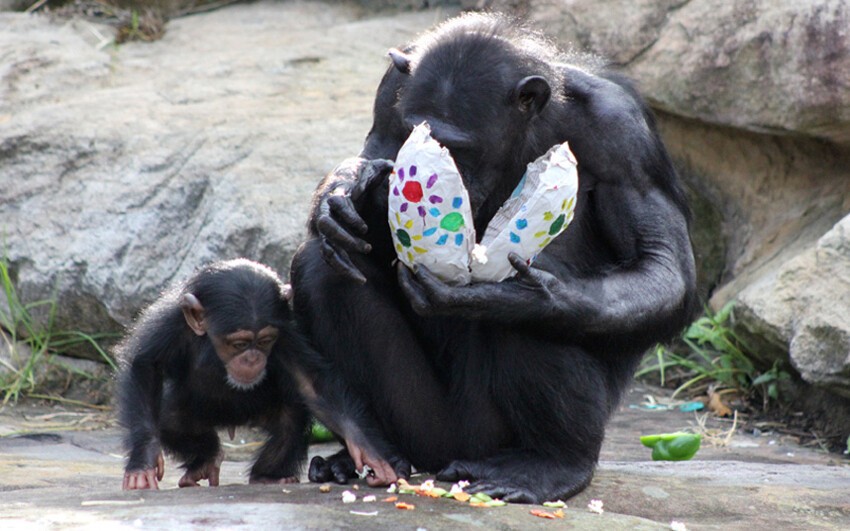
{"x": 677, "y": 446}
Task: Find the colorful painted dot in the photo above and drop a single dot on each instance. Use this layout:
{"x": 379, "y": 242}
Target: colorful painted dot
{"x": 452, "y": 222}
{"x": 429, "y": 232}
{"x": 403, "y": 237}
{"x": 442, "y": 239}
{"x": 435, "y": 199}
{"x": 456, "y": 202}
{"x": 401, "y": 174}
{"x": 395, "y": 190}
{"x": 413, "y": 171}
{"x": 421, "y": 211}
{"x": 431, "y": 180}
{"x": 514, "y": 237}
{"x": 556, "y": 226}
{"x": 547, "y": 216}
{"x": 458, "y": 239}
{"x": 540, "y": 234}
{"x": 435, "y": 212}
{"x": 420, "y": 250}
{"x": 403, "y": 207}
{"x": 412, "y": 191}
{"x": 521, "y": 223}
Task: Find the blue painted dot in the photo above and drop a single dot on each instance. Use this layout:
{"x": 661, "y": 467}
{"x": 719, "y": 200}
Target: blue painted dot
{"x": 429, "y": 232}
{"x": 458, "y": 239}
{"x": 442, "y": 239}
{"x": 435, "y": 212}
{"x": 521, "y": 223}
{"x": 514, "y": 237}
{"x": 457, "y": 201}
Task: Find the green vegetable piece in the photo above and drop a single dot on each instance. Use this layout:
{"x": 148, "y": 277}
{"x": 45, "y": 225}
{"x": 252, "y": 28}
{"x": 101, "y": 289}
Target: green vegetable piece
{"x": 319, "y": 433}
{"x": 496, "y": 503}
{"x": 481, "y": 497}
{"x": 556, "y": 504}
{"x": 440, "y": 491}
{"x": 678, "y": 446}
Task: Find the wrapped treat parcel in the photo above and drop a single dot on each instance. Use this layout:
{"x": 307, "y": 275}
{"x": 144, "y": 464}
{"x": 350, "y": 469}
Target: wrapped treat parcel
{"x": 431, "y": 220}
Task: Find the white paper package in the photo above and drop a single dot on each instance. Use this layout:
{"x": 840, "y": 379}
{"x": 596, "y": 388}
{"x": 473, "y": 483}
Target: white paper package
{"x": 429, "y": 213}
{"x": 431, "y": 220}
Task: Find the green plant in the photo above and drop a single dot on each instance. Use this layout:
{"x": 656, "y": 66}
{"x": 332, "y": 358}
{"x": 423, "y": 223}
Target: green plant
{"x": 714, "y": 353}
{"x": 18, "y": 327}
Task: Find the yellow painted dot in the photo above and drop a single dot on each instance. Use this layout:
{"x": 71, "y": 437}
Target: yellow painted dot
{"x": 548, "y": 216}
{"x": 420, "y": 250}
{"x": 540, "y": 234}
{"x": 398, "y": 218}
{"x": 398, "y": 247}
{"x": 409, "y": 257}
{"x": 409, "y": 224}
{"x": 417, "y": 237}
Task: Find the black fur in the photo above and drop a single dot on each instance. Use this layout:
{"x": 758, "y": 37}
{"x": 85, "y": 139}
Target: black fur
{"x": 172, "y": 390}
{"x": 507, "y": 384}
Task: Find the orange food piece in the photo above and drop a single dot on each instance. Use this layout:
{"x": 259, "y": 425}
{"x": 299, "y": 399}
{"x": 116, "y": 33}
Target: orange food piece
{"x": 559, "y": 513}
{"x": 462, "y": 496}
{"x": 478, "y": 504}
{"x": 429, "y": 493}
{"x": 390, "y": 499}
{"x": 543, "y": 514}
{"x": 405, "y": 506}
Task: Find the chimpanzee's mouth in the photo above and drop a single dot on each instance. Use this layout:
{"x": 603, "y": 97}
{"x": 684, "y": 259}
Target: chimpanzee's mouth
{"x": 239, "y": 385}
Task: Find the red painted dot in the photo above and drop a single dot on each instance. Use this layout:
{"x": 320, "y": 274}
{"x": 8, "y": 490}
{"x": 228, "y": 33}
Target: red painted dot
{"x": 412, "y": 191}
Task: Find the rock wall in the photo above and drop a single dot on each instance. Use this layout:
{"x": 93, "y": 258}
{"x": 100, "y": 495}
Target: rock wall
{"x": 122, "y": 168}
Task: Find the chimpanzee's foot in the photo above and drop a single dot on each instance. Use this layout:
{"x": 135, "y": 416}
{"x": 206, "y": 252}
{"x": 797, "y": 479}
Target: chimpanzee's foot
{"x": 338, "y": 467}
{"x": 341, "y": 467}
{"x": 520, "y": 477}
{"x": 209, "y": 471}
{"x": 263, "y": 480}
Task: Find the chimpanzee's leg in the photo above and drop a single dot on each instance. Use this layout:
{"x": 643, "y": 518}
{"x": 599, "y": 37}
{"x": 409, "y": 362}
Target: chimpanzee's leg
{"x": 556, "y": 400}
{"x": 375, "y": 345}
{"x": 200, "y": 452}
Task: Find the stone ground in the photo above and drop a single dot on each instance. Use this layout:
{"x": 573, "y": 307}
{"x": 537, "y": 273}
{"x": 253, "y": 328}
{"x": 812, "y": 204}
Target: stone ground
{"x": 62, "y": 468}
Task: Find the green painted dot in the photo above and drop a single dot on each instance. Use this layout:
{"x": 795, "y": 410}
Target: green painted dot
{"x": 452, "y": 222}
{"x": 557, "y": 224}
{"x": 403, "y": 237}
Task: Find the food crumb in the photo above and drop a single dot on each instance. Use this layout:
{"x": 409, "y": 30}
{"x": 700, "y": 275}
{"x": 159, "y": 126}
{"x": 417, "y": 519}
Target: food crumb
{"x": 595, "y": 506}
{"x": 348, "y": 497}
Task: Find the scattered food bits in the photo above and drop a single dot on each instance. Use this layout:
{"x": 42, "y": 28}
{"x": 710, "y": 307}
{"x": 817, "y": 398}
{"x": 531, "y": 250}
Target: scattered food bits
{"x": 370, "y": 498}
{"x": 461, "y": 496}
{"x": 595, "y": 506}
{"x": 540, "y": 513}
{"x": 559, "y": 504}
{"x": 392, "y": 488}
{"x": 325, "y": 488}
{"x": 678, "y": 526}
{"x": 474, "y": 503}
{"x": 405, "y": 506}
{"x": 348, "y": 497}
{"x": 364, "y": 513}
{"x": 559, "y": 513}
{"x": 355, "y": 487}
{"x": 390, "y": 499}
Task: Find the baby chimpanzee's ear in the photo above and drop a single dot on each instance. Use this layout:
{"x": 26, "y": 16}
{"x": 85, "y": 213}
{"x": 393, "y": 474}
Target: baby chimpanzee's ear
{"x": 194, "y": 314}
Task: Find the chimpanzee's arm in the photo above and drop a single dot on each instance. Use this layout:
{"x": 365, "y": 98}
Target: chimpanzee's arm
{"x": 633, "y": 205}
{"x": 139, "y": 398}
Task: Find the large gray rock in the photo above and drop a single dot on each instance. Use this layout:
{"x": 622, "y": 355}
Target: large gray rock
{"x": 775, "y": 66}
{"x": 124, "y": 168}
{"x": 804, "y": 309}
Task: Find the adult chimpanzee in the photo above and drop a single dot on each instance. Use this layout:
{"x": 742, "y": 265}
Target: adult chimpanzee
{"x": 213, "y": 352}
{"x": 508, "y": 384}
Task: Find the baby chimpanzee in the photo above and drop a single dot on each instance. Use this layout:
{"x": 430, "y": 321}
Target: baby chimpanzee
{"x": 213, "y": 352}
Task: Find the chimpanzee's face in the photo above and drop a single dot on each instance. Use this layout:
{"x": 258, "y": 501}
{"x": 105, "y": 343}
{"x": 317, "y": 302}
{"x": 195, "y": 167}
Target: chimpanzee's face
{"x": 245, "y": 354}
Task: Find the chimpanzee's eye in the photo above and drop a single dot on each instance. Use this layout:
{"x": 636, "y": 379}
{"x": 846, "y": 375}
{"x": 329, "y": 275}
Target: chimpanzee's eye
{"x": 239, "y": 345}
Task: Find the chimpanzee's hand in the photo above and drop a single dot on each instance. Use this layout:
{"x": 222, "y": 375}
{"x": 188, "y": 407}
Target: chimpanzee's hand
{"x": 531, "y": 294}
{"x": 147, "y": 478}
{"x": 337, "y": 219}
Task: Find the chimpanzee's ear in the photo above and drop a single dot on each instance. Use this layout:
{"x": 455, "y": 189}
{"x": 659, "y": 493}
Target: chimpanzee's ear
{"x": 532, "y": 93}
{"x": 286, "y": 292}
{"x": 401, "y": 60}
{"x": 193, "y": 312}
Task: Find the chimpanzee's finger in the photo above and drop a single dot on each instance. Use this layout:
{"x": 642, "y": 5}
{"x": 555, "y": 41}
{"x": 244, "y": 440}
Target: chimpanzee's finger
{"x": 150, "y": 478}
{"x": 343, "y": 208}
{"x": 375, "y": 172}
{"x": 524, "y": 272}
{"x": 160, "y": 466}
{"x": 333, "y": 231}
{"x": 438, "y": 291}
{"x": 415, "y": 294}
{"x": 339, "y": 260}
